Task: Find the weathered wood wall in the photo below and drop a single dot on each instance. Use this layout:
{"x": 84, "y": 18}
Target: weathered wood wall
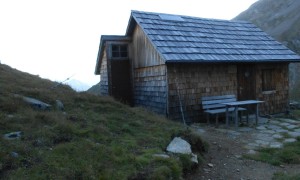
{"x": 149, "y": 74}
{"x": 104, "y": 75}
{"x": 192, "y": 81}
{"x": 275, "y": 101}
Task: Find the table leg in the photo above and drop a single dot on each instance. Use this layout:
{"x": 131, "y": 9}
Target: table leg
{"x": 227, "y": 116}
{"x": 256, "y": 114}
{"x": 236, "y": 116}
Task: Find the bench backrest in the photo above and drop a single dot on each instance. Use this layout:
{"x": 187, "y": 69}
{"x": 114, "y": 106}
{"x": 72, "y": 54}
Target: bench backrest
{"x": 214, "y": 102}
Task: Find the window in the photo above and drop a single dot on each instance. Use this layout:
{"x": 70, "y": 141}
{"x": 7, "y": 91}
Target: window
{"x": 119, "y": 51}
{"x": 268, "y": 80}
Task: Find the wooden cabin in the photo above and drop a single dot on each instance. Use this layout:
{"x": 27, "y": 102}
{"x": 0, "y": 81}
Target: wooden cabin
{"x": 165, "y": 62}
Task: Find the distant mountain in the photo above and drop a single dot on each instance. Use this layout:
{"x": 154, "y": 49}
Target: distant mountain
{"x": 280, "y": 19}
{"x": 77, "y": 85}
{"x": 95, "y": 89}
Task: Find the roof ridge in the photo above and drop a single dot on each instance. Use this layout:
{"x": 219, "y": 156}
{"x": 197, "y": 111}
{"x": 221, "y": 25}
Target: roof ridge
{"x": 191, "y": 17}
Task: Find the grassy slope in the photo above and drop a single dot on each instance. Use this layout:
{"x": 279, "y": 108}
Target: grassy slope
{"x": 97, "y": 137}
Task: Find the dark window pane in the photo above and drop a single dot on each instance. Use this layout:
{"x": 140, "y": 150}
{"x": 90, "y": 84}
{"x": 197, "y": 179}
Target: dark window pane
{"x": 115, "y": 54}
{"x": 124, "y": 54}
{"x": 119, "y": 51}
{"x": 115, "y": 48}
{"x": 123, "y": 48}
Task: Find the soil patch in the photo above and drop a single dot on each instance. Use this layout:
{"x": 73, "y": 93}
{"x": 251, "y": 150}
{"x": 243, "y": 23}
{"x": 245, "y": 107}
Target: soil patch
{"x": 224, "y": 159}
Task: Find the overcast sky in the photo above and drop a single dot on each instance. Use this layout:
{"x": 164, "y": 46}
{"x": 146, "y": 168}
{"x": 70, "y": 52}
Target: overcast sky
{"x": 56, "y": 39}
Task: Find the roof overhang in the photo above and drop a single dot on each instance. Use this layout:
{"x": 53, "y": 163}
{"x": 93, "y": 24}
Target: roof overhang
{"x": 103, "y": 40}
{"x": 231, "y": 61}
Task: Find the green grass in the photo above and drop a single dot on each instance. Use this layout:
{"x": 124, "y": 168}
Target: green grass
{"x": 96, "y": 137}
{"x": 284, "y": 176}
{"x": 289, "y": 154}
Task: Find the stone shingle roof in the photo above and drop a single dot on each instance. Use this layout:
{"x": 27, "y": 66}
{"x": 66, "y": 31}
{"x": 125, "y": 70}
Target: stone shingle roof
{"x": 191, "y": 39}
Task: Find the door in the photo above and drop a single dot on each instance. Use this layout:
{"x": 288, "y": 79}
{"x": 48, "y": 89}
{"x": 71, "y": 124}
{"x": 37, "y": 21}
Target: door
{"x": 120, "y": 81}
{"x": 246, "y": 82}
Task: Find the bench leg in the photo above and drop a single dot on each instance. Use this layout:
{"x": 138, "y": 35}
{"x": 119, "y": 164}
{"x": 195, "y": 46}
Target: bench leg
{"x": 217, "y": 120}
{"x": 207, "y": 118}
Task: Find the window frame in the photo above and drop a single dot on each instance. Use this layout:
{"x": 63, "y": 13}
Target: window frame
{"x": 116, "y": 51}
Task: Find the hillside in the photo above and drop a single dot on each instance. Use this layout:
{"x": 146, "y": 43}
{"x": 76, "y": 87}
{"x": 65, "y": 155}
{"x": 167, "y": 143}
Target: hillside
{"x": 94, "y": 89}
{"x": 280, "y": 19}
{"x": 94, "y": 138}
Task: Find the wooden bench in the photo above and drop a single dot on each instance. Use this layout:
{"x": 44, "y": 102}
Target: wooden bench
{"x": 212, "y": 105}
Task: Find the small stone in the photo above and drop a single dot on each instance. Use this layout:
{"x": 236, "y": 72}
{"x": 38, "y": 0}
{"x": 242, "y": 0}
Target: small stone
{"x": 14, "y": 154}
{"x": 214, "y": 143}
{"x": 281, "y": 165}
{"x": 251, "y": 151}
{"x": 210, "y": 165}
{"x": 238, "y": 170}
{"x": 10, "y": 116}
{"x": 290, "y": 140}
{"x": 194, "y": 158}
{"x": 276, "y": 145}
{"x": 277, "y": 136}
{"x": 59, "y": 105}
{"x": 206, "y": 170}
{"x": 13, "y": 135}
{"x": 294, "y": 134}
{"x": 238, "y": 156}
{"x": 161, "y": 156}
{"x": 261, "y": 128}
{"x": 291, "y": 126}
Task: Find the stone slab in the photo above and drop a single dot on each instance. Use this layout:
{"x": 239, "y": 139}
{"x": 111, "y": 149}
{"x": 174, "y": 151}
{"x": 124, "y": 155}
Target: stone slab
{"x": 276, "y": 145}
{"x": 290, "y": 140}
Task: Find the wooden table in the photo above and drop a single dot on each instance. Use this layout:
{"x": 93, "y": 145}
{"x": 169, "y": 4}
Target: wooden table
{"x": 236, "y": 105}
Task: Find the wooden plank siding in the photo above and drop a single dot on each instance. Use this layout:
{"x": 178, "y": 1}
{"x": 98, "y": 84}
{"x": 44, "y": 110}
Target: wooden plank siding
{"x": 192, "y": 81}
{"x": 276, "y": 101}
{"x": 149, "y": 72}
{"x": 104, "y": 75}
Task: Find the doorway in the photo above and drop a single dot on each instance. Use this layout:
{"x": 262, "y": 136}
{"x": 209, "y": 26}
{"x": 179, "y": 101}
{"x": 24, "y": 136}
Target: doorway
{"x": 120, "y": 81}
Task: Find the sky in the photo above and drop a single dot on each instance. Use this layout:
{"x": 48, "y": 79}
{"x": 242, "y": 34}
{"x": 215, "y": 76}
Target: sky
{"x": 59, "y": 39}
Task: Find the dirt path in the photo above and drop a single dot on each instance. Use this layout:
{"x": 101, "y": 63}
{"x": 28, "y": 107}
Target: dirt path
{"x": 224, "y": 159}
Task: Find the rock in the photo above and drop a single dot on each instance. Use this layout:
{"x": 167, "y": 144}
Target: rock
{"x": 14, "y": 154}
{"x": 277, "y": 136}
{"x": 161, "y": 156}
{"x": 238, "y": 156}
{"x": 13, "y": 135}
{"x": 276, "y": 145}
{"x": 35, "y": 103}
{"x": 59, "y": 105}
{"x": 291, "y": 126}
{"x": 178, "y": 145}
{"x": 290, "y": 140}
{"x": 194, "y": 158}
{"x": 10, "y": 116}
{"x": 294, "y": 134}
{"x": 251, "y": 151}
{"x": 210, "y": 165}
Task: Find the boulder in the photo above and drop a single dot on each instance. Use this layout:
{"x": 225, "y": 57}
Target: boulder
{"x": 13, "y": 135}
{"x": 59, "y": 105}
{"x": 35, "y": 103}
{"x": 179, "y": 145}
